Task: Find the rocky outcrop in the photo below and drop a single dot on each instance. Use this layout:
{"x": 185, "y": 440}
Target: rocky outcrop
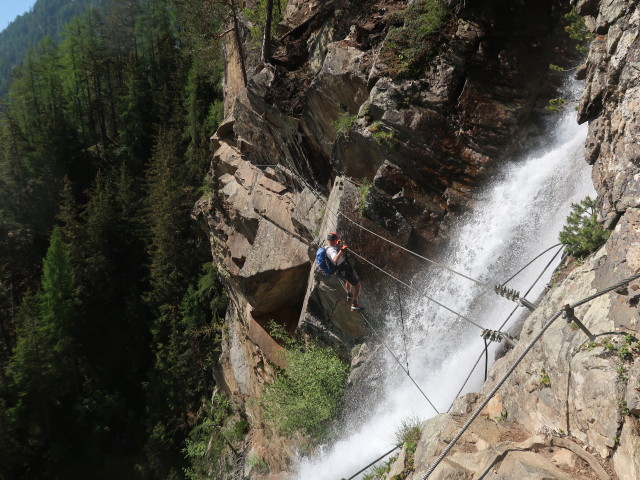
{"x": 571, "y": 389}
{"x": 569, "y": 392}
{"x": 611, "y": 104}
{"x": 289, "y": 166}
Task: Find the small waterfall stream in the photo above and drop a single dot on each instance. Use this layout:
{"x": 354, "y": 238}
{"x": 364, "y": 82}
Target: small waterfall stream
{"x": 517, "y": 216}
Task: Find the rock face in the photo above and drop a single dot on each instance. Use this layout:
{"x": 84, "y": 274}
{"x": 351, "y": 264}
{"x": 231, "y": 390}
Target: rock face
{"x": 322, "y": 139}
{"x": 580, "y": 394}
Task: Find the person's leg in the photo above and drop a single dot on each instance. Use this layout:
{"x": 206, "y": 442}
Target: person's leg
{"x": 356, "y": 292}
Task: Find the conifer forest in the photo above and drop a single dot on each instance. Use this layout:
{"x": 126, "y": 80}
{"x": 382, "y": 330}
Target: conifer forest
{"x": 110, "y": 309}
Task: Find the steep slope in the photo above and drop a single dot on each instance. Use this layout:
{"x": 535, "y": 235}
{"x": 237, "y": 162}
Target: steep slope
{"x": 337, "y": 105}
{"x": 46, "y": 18}
{"x": 573, "y": 402}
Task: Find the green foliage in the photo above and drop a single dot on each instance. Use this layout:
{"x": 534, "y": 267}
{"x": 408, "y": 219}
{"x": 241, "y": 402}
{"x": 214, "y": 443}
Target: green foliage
{"x": 363, "y": 192}
{"x": 344, "y": 124}
{"x": 207, "y": 448}
{"x": 545, "y": 381}
{"x": 257, "y": 16}
{"x": 384, "y": 138}
{"x": 577, "y": 30}
{"x": 256, "y": 462}
{"x": 621, "y": 373}
{"x": 555, "y": 104}
{"x": 307, "y": 393}
{"x": 624, "y": 352}
{"x": 119, "y": 342}
{"x": 47, "y": 18}
{"x": 408, "y": 49}
{"x": 582, "y": 234}
{"x": 408, "y": 434}
{"x": 624, "y": 408}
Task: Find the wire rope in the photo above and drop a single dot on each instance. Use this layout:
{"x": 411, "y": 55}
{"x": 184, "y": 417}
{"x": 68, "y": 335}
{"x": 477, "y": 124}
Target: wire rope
{"x": 364, "y": 317}
{"x": 467, "y": 319}
{"x": 530, "y": 262}
{"x": 433, "y": 262}
{"x": 485, "y": 351}
{"x": 516, "y": 363}
{"x": 380, "y": 338}
{"x": 336, "y": 213}
{"x": 373, "y": 463}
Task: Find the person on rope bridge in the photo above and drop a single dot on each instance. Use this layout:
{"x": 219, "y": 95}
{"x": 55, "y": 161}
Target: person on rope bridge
{"x": 337, "y": 254}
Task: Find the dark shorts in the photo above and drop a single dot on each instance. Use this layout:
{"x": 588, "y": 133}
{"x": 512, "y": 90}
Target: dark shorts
{"x": 346, "y": 272}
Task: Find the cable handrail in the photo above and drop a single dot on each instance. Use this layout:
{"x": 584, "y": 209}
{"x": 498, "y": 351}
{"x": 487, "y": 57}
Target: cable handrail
{"x": 364, "y": 317}
{"x": 511, "y": 369}
{"x": 431, "y": 299}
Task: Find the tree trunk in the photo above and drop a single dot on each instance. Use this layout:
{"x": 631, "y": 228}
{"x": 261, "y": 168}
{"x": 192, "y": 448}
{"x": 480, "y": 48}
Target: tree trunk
{"x": 266, "y": 38}
{"x": 236, "y": 34}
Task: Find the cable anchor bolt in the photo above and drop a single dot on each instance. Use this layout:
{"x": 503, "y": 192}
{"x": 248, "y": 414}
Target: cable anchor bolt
{"x": 514, "y": 296}
{"x": 497, "y": 336}
{"x": 568, "y": 314}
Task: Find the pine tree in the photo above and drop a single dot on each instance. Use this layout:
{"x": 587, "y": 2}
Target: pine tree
{"x": 582, "y": 234}
{"x": 43, "y": 371}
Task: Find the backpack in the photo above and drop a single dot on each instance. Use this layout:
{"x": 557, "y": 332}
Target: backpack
{"x": 323, "y": 262}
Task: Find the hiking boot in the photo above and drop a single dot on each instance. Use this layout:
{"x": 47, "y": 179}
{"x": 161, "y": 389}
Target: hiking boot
{"x": 356, "y": 307}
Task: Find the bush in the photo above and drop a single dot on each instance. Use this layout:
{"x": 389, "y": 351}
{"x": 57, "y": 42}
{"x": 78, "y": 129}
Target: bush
{"x": 582, "y": 234}
{"x": 577, "y": 30}
{"x": 409, "y": 48}
{"x": 408, "y": 434}
{"x": 344, "y": 124}
{"x": 307, "y": 393}
{"x": 206, "y": 448}
{"x": 363, "y": 192}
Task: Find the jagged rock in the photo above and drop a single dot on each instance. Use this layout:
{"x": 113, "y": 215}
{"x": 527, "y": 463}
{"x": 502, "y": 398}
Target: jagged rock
{"x": 338, "y": 90}
{"x": 488, "y": 449}
{"x": 473, "y": 103}
{"x": 626, "y": 460}
{"x": 632, "y": 396}
{"x": 611, "y": 101}
{"x": 398, "y": 465}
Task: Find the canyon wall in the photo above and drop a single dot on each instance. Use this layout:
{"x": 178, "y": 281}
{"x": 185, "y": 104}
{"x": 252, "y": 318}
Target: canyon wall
{"x": 329, "y": 114}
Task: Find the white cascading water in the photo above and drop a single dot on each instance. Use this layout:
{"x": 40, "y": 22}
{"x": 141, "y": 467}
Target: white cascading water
{"x": 516, "y": 217}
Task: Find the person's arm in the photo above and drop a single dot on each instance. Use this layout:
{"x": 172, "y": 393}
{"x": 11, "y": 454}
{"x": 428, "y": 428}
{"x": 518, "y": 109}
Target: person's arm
{"x": 338, "y": 255}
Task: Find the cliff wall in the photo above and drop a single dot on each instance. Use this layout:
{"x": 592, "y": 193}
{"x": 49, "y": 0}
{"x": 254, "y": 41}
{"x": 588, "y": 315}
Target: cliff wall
{"x": 331, "y": 111}
{"x": 571, "y": 407}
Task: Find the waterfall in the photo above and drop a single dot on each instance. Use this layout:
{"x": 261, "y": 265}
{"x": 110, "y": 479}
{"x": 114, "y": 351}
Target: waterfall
{"x": 517, "y": 216}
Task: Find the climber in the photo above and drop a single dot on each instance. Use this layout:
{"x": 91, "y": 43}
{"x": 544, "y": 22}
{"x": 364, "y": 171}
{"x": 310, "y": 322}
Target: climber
{"x": 337, "y": 253}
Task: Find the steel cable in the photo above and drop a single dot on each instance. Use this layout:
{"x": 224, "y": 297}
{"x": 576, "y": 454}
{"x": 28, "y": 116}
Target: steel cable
{"x": 516, "y": 363}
